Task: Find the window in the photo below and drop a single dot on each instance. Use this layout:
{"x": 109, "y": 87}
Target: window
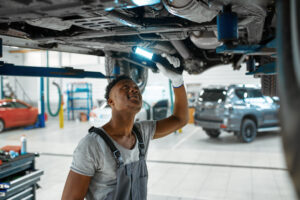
{"x": 19, "y": 105}
{"x": 162, "y": 103}
{"x": 215, "y": 95}
{"x": 248, "y": 93}
{"x": 241, "y": 93}
{"x": 6, "y": 105}
{"x": 253, "y": 93}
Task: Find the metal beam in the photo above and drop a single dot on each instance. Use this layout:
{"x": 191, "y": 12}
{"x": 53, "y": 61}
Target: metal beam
{"x": 67, "y": 72}
{"x": 268, "y": 69}
{"x": 26, "y": 43}
{"x": 122, "y": 31}
{"x": 267, "y": 49}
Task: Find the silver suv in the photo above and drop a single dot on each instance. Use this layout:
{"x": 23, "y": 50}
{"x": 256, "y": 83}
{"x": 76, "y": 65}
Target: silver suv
{"x": 240, "y": 109}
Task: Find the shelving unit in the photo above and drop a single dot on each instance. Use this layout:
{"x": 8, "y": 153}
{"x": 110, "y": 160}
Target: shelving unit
{"x": 79, "y": 98}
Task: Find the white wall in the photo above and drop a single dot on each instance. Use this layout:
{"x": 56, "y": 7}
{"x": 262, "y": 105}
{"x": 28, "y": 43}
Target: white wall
{"x": 157, "y": 88}
{"x": 24, "y": 82}
{"x": 221, "y": 75}
{"x": 56, "y": 59}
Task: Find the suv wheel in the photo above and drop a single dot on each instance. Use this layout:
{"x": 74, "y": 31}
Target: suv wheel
{"x": 268, "y": 82}
{"x": 139, "y": 75}
{"x": 269, "y": 85}
{"x": 248, "y": 131}
{"x": 1, "y": 125}
{"x": 212, "y": 133}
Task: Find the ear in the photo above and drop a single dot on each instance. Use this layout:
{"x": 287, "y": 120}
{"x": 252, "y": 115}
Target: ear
{"x": 110, "y": 102}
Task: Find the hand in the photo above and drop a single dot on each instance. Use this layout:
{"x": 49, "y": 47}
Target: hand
{"x": 175, "y": 78}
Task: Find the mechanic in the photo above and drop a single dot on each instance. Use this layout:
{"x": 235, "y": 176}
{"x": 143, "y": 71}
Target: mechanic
{"x": 109, "y": 162}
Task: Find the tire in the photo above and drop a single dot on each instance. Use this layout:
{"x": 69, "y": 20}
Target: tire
{"x": 212, "y": 133}
{"x": 268, "y": 82}
{"x": 138, "y": 74}
{"x": 2, "y": 125}
{"x": 248, "y": 131}
{"x": 288, "y": 66}
{"x": 269, "y": 85}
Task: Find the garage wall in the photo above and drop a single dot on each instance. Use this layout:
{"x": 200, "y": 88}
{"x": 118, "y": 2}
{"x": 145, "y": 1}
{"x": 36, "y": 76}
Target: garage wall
{"x": 19, "y": 84}
{"x": 31, "y": 85}
{"x": 77, "y": 61}
{"x": 220, "y": 75}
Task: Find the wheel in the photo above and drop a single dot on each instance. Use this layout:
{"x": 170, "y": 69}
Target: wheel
{"x": 288, "y": 44}
{"x": 269, "y": 85}
{"x": 248, "y": 131}
{"x": 268, "y": 82}
{"x": 2, "y": 126}
{"x": 212, "y": 133}
{"x": 138, "y": 74}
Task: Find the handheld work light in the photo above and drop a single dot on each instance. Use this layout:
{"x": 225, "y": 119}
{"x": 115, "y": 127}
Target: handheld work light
{"x": 155, "y": 58}
{"x": 143, "y": 52}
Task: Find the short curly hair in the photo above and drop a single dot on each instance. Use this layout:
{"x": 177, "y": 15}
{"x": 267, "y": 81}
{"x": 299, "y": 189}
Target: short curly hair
{"x": 113, "y": 83}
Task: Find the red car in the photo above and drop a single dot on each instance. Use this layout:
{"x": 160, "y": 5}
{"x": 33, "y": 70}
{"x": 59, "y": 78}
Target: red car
{"x": 14, "y": 113}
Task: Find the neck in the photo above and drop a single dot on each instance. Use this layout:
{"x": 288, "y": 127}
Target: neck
{"x": 120, "y": 124}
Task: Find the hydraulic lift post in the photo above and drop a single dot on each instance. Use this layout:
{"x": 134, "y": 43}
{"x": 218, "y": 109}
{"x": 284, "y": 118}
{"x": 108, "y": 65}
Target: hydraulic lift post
{"x": 1, "y": 77}
{"x": 227, "y": 24}
{"x": 42, "y": 104}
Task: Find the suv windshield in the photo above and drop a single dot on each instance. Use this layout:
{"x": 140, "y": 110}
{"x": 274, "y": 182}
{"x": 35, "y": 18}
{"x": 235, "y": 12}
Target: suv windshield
{"x": 213, "y": 95}
{"x": 248, "y": 93}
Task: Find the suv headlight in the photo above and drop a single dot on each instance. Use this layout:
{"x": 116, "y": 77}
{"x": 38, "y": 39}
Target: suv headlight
{"x": 229, "y": 107}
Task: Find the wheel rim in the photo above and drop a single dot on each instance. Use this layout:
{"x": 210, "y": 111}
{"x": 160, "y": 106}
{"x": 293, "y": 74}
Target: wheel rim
{"x": 295, "y": 37}
{"x": 249, "y": 132}
{"x": 1, "y": 126}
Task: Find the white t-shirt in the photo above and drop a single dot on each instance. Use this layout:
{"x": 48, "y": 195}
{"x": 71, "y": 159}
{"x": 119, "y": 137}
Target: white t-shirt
{"x": 92, "y": 157}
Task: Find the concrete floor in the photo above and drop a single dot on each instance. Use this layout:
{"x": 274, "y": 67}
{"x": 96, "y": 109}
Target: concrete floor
{"x": 185, "y": 166}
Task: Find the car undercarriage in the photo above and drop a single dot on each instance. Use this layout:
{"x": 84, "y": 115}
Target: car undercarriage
{"x": 187, "y": 29}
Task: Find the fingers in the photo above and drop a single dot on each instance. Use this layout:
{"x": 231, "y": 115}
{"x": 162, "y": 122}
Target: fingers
{"x": 172, "y": 59}
{"x": 160, "y": 67}
{"x": 165, "y": 71}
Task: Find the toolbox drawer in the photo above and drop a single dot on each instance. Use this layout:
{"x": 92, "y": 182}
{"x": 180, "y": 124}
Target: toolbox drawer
{"x": 18, "y": 164}
{"x": 27, "y": 194}
{"x": 19, "y": 184}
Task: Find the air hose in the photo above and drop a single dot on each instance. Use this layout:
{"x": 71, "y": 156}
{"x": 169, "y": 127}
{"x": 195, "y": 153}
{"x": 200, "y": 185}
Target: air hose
{"x": 48, "y": 99}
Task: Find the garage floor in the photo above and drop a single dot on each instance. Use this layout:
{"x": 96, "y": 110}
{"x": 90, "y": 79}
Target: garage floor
{"x": 185, "y": 166}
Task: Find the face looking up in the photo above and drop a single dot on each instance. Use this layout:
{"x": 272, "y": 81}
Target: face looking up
{"x": 125, "y": 96}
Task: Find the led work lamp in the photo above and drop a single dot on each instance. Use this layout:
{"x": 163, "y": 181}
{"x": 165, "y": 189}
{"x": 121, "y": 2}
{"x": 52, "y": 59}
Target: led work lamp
{"x": 155, "y": 58}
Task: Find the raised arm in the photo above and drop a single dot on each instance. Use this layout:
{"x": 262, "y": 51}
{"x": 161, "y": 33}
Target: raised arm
{"x": 180, "y": 117}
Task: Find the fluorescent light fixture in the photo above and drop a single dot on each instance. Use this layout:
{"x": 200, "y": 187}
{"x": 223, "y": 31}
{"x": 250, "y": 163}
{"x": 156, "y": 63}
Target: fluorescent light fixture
{"x": 145, "y": 2}
{"x": 144, "y": 53}
{"x": 109, "y": 9}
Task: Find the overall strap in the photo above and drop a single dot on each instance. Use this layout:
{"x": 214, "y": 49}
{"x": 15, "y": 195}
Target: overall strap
{"x": 140, "y": 140}
{"x": 116, "y": 153}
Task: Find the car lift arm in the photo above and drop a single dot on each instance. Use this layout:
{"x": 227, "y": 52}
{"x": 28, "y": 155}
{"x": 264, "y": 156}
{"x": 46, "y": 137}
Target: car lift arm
{"x": 67, "y": 72}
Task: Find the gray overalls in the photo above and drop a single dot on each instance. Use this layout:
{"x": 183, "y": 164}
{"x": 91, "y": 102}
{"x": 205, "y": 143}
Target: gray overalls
{"x": 132, "y": 178}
